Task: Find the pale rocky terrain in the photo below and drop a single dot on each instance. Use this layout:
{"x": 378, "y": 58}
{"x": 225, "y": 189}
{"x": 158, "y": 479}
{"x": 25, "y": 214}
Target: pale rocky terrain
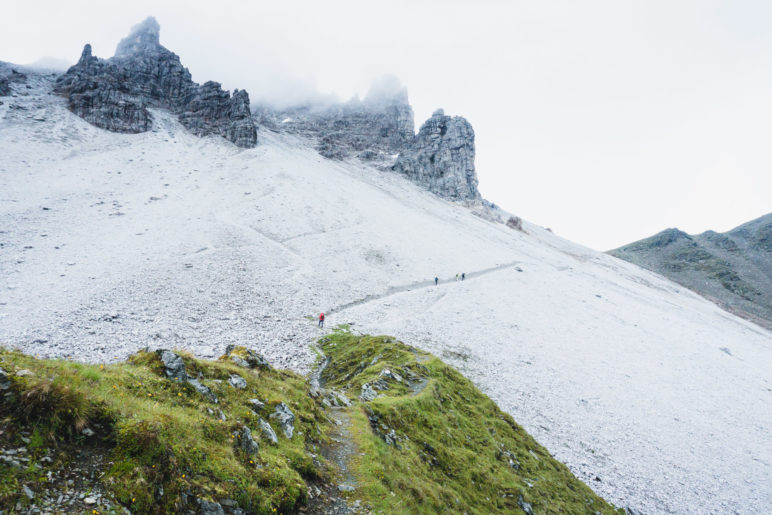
{"x": 110, "y": 243}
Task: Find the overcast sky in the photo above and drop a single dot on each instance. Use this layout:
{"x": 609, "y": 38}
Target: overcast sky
{"x": 606, "y": 121}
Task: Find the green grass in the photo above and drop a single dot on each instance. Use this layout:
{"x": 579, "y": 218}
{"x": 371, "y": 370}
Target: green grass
{"x": 159, "y": 432}
{"x": 456, "y": 450}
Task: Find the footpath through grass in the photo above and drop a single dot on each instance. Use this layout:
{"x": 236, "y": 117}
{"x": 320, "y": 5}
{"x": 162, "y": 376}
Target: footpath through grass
{"x": 430, "y": 442}
{"x": 168, "y": 433}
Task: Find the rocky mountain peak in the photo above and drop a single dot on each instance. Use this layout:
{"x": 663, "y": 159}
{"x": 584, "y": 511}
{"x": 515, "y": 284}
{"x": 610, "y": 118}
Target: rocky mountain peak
{"x": 143, "y": 38}
{"x": 115, "y": 94}
{"x": 441, "y": 157}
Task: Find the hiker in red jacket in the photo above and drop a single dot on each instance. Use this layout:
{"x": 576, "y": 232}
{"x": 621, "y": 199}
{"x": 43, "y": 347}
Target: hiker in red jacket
{"x": 321, "y": 320}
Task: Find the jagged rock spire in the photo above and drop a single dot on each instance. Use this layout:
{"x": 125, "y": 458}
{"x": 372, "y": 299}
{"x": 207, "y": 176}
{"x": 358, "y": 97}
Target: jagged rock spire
{"x": 144, "y": 37}
{"x": 441, "y": 157}
{"x": 114, "y": 94}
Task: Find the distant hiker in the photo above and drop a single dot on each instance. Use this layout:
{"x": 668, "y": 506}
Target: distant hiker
{"x": 456, "y": 277}
{"x": 436, "y": 280}
{"x": 321, "y": 320}
{"x": 463, "y": 276}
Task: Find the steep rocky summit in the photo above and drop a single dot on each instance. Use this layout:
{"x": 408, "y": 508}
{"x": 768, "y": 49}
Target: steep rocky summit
{"x": 115, "y": 93}
{"x": 374, "y": 129}
{"x": 441, "y": 157}
{"x": 733, "y": 269}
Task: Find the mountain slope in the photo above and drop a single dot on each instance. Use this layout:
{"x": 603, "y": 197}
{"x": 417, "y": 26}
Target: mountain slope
{"x": 733, "y": 269}
{"x": 114, "y": 242}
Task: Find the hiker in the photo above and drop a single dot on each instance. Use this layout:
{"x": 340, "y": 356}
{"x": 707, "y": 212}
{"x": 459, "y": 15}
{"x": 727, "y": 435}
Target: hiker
{"x": 463, "y": 276}
{"x": 456, "y": 277}
{"x": 436, "y": 280}
{"x": 321, "y": 320}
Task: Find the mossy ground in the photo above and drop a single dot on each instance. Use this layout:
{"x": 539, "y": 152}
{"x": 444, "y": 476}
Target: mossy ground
{"x": 455, "y": 452}
{"x": 429, "y": 443}
{"x": 163, "y": 442}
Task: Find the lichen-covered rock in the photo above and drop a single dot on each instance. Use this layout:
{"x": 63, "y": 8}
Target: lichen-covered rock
{"x": 114, "y": 94}
{"x": 368, "y": 393}
{"x": 6, "y": 387}
{"x": 237, "y": 382}
{"x": 267, "y": 431}
{"x": 245, "y": 441}
{"x": 205, "y": 391}
{"x": 247, "y": 358}
{"x": 441, "y": 158}
{"x": 174, "y": 366}
{"x": 286, "y": 419}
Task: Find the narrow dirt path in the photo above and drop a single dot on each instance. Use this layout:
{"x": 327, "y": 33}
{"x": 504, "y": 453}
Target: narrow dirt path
{"x": 394, "y": 290}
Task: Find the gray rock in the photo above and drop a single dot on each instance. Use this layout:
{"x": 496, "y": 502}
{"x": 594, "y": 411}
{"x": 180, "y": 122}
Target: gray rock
{"x": 5, "y": 382}
{"x": 441, "y": 158}
{"x": 203, "y": 390}
{"x": 23, "y": 373}
{"x": 267, "y": 431}
{"x": 368, "y": 393}
{"x": 245, "y": 440}
{"x": 88, "y": 432}
{"x": 237, "y": 381}
{"x": 115, "y": 94}
{"x": 209, "y": 508}
{"x": 253, "y": 359}
{"x": 375, "y": 128}
{"x": 345, "y": 488}
{"x": 285, "y": 418}
{"x": 391, "y": 375}
{"x": 525, "y": 506}
{"x": 29, "y": 493}
{"x": 89, "y": 501}
{"x": 257, "y": 404}
{"x": 174, "y": 366}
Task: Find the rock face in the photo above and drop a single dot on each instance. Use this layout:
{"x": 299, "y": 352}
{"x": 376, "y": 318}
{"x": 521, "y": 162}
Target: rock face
{"x": 9, "y": 75}
{"x": 115, "y": 94}
{"x": 286, "y": 419}
{"x": 374, "y": 129}
{"x": 733, "y": 269}
{"x": 441, "y": 158}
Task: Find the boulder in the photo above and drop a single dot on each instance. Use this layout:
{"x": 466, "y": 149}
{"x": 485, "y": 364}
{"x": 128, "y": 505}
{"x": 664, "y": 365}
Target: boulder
{"x": 237, "y": 381}
{"x": 245, "y": 441}
{"x": 174, "y": 366}
{"x": 368, "y": 393}
{"x": 267, "y": 431}
{"x": 286, "y": 419}
{"x": 203, "y": 390}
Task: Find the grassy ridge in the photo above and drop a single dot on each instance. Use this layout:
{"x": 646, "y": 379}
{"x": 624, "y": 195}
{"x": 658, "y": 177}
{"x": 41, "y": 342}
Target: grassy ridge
{"x": 452, "y": 450}
{"x": 430, "y": 442}
{"x": 165, "y": 447}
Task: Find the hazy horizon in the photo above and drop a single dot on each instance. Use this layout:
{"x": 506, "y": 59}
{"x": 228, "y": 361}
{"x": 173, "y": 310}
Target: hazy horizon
{"x": 607, "y": 122}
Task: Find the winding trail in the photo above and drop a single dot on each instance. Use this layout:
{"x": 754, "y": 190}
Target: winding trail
{"x": 394, "y": 290}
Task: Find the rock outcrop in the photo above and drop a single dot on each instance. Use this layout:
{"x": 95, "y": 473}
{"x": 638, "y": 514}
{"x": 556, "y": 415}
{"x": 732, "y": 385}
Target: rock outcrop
{"x": 115, "y": 94}
{"x": 441, "y": 158}
{"x": 374, "y": 129}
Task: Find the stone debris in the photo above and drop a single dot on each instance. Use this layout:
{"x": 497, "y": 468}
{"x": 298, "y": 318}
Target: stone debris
{"x": 267, "y": 431}
{"x": 286, "y": 419}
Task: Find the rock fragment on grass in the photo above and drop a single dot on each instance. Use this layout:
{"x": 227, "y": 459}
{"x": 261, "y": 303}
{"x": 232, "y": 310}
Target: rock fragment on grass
{"x": 286, "y": 419}
{"x": 267, "y": 431}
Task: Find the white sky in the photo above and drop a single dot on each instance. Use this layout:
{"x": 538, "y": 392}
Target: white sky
{"x": 606, "y": 121}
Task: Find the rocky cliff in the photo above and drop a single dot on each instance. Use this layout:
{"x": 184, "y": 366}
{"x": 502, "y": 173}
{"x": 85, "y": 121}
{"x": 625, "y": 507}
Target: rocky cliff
{"x": 733, "y": 269}
{"x": 375, "y": 129}
{"x": 441, "y": 158}
{"x": 115, "y": 94}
